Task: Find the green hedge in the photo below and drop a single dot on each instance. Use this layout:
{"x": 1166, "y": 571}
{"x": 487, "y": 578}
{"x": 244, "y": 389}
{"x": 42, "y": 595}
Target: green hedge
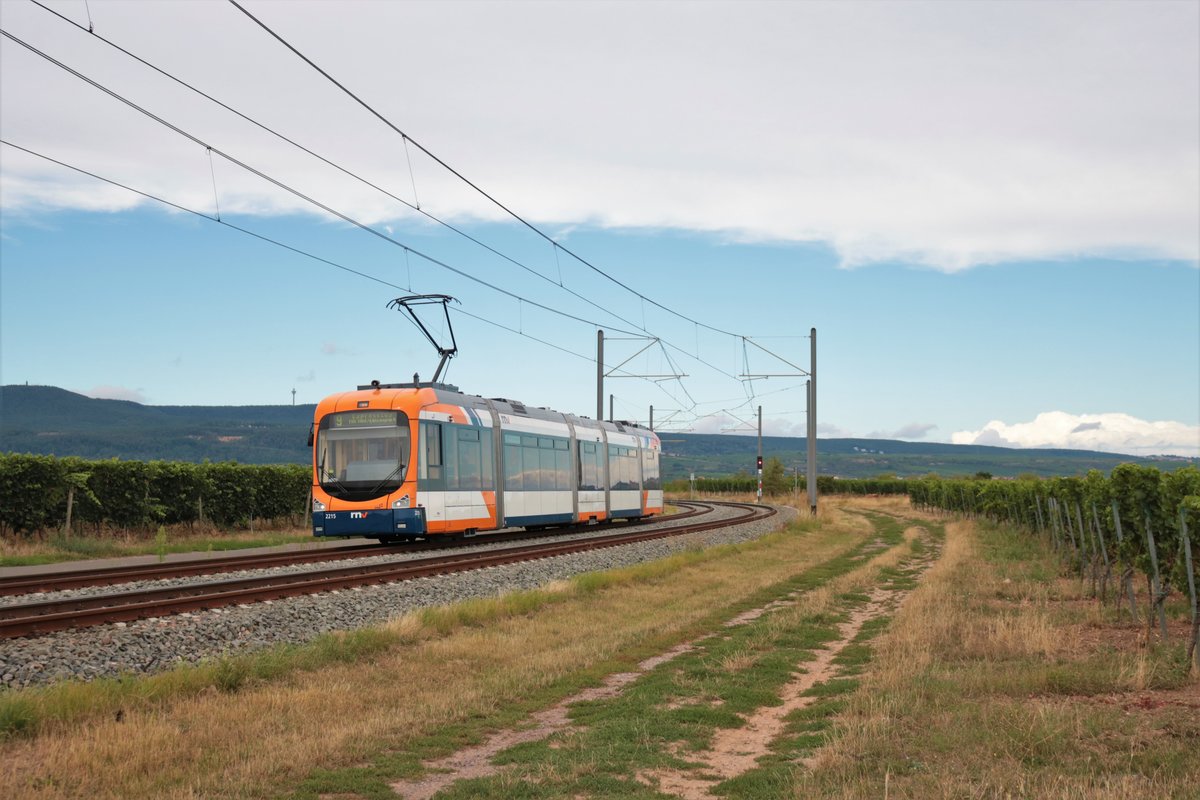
{"x": 826, "y": 485}
{"x": 1082, "y": 514}
{"x": 144, "y": 494}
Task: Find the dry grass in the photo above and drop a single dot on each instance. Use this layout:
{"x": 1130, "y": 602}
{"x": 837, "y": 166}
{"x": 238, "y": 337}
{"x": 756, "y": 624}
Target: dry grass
{"x": 978, "y": 689}
{"x": 54, "y": 547}
{"x": 450, "y": 668}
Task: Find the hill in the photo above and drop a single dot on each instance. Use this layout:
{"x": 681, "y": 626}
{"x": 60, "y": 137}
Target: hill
{"x": 714, "y": 454}
{"x": 53, "y": 421}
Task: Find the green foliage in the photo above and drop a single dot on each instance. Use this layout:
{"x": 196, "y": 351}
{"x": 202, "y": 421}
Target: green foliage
{"x": 826, "y": 485}
{"x": 1081, "y": 512}
{"x": 143, "y": 495}
{"x": 774, "y": 479}
{"x": 31, "y": 490}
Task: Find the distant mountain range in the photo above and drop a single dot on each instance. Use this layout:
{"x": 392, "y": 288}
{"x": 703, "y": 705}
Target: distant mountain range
{"x": 53, "y": 421}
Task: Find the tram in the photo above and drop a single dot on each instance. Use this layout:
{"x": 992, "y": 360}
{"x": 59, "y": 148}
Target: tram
{"x": 415, "y": 460}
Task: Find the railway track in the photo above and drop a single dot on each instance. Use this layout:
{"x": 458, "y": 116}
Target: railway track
{"x": 108, "y": 576}
{"x": 46, "y": 616}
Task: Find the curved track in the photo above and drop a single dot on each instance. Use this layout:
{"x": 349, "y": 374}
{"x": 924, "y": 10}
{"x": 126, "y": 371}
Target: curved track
{"x": 108, "y": 576}
{"x": 43, "y": 617}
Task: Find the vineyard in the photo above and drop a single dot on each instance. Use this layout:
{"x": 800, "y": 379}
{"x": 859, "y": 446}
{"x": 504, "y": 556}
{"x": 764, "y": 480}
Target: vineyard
{"x": 39, "y": 493}
{"x": 1137, "y": 522}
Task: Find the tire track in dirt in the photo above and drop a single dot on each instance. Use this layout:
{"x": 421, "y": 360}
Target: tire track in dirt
{"x": 477, "y": 761}
{"x": 735, "y": 751}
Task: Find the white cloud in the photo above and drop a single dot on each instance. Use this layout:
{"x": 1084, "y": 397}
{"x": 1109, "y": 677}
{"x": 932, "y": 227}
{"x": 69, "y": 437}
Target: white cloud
{"x": 947, "y": 134}
{"x": 117, "y": 393}
{"x": 1112, "y": 433}
{"x": 913, "y": 430}
{"x": 335, "y": 349}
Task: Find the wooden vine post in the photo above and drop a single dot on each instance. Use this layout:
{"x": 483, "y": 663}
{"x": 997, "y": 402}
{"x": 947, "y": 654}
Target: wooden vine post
{"x": 1160, "y": 596}
{"x": 1193, "y": 651}
{"x": 1089, "y": 559}
{"x": 1103, "y": 553}
{"x": 1127, "y": 573}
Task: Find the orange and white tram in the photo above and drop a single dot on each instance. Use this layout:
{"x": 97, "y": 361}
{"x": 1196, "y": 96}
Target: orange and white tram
{"x": 396, "y": 461}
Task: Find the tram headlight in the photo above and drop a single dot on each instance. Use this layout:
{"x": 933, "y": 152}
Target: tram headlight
{"x": 402, "y": 502}
{"x": 318, "y": 506}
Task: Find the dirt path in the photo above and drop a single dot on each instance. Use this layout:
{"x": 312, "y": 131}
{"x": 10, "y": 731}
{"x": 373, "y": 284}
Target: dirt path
{"x": 737, "y": 750}
{"x": 733, "y": 752}
{"x": 476, "y": 762}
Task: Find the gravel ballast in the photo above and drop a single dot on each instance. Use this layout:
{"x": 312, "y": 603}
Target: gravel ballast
{"x": 152, "y": 645}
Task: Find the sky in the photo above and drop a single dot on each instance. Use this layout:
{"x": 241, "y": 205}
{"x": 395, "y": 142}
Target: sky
{"x": 989, "y": 211}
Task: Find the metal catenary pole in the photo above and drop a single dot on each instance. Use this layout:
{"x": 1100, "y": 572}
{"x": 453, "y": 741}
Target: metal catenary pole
{"x": 812, "y": 422}
{"x": 759, "y": 462}
{"x": 599, "y": 375}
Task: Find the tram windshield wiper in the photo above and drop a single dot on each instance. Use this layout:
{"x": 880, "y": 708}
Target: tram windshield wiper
{"x": 379, "y": 486}
{"x": 329, "y": 477}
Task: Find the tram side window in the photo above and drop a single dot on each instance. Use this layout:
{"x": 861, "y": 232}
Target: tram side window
{"x": 430, "y": 465}
{"x": 514, "y": 476}
{"x": 562, "y": 465}
{"x": 531, "y": 462}
{"x": 472, "y": 462}
{"x": 549, "y": 477}
{"x": 591, "y": 467}
{"x": 536, "y": 463}
{"x": 623, "y": 467}
{"x": 652, "y": 477}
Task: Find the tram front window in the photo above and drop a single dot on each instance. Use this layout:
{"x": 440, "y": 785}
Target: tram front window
{"x": 362, "y": 455}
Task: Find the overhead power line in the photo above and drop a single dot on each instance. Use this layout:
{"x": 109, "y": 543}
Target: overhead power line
{"x": 211, "y": 149}
{"x": 470, "y": 183}
{"x": 414, "y": 207}
{"x": 296, "y": 192}
{"x": 367, "y": 228}
{"x": 293, "y": 249}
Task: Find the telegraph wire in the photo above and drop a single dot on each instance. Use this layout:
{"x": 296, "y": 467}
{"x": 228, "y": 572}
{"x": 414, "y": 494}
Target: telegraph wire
{"x": 209, "y": 149}
{"x": 415, "y": 207}
{"x": 291, "y": 248}
{"x": 280, "y": 184}
{"x": 332, "y": 211}
{"x": 467, "y": 181}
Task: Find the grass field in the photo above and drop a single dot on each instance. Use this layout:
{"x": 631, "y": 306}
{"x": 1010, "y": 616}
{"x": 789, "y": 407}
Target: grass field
{"x": 58, "y": 547}
{"x": 872, "y": 652}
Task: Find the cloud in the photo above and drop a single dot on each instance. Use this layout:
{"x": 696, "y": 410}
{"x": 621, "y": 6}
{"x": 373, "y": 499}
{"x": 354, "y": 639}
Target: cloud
{"x": 308, "y": 377}
{"x": 748, "y": 426}
{"x": 335, "y": 349}
{"x": 913, "y": 430}
{"x": 943, "y": 134}
{"x": 117, "y": 393}
{"x": 830, "y": 431}
{"x": 1111, "y": 432}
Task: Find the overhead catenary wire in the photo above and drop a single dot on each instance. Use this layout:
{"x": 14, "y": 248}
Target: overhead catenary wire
{"x": 664, "y": 344}
{"x": 296, "y": 250}
{"x": 413, "y": 206}
{"x": 416, "y": 208}
{"x": 296, "y": 192}
{"x": 466, "y": 180}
